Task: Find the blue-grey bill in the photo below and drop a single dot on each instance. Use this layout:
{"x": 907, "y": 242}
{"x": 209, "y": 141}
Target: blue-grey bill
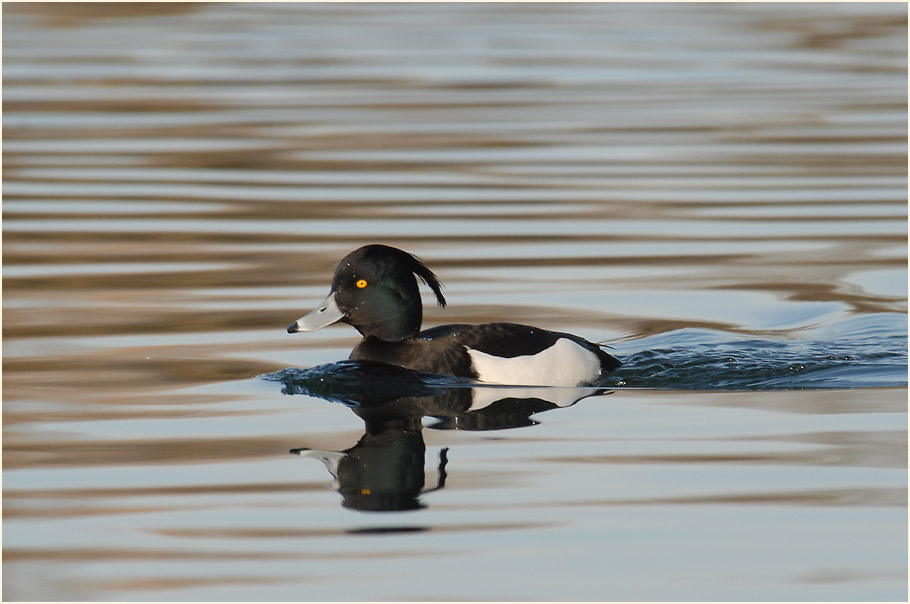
{"x": 325, "y": 314}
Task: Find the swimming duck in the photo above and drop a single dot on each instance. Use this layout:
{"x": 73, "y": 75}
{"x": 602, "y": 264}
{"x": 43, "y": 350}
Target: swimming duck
{"x": 375, "y": 290}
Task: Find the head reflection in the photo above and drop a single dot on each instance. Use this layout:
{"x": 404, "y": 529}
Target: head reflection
{"x": 385, "y": 470}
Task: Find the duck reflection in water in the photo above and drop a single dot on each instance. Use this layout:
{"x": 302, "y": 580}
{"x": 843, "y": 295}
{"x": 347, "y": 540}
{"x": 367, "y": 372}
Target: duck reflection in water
{"x": 384, "y": 471}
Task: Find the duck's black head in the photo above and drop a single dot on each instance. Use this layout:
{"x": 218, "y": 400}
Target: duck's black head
{"x": 375, "y": 290}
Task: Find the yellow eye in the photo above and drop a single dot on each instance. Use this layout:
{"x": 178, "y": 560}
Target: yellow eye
{"x": 361, "y": 283}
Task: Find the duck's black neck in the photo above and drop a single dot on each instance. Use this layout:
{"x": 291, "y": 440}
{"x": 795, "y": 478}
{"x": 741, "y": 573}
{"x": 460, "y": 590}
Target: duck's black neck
{"x": 400, "y": 323}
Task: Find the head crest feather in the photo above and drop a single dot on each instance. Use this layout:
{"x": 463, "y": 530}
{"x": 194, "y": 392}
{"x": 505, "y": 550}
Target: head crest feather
{"x": 428, "y": 277}
{"x": 411, "y": 263}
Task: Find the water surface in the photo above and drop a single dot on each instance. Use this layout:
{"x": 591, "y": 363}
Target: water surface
{"x": 719, "y": 192}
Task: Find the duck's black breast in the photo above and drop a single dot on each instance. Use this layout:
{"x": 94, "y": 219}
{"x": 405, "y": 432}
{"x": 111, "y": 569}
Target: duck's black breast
{"x": 443, "y": 356}
{"x": 447, "y": 349}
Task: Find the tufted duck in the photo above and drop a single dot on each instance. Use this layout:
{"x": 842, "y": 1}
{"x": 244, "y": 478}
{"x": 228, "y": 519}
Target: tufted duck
{"x": 375, "y": 290}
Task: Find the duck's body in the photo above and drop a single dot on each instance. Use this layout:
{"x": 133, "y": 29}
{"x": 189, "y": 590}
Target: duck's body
{"x": 375, "y": 290}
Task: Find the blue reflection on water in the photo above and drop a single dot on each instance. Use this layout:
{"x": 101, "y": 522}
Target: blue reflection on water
{"x": 863, "y": 351}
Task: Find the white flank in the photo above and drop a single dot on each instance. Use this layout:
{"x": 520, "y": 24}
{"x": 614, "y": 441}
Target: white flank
{"x": 565, "y": 363}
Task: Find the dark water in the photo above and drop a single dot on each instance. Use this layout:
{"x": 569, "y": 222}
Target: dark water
{"x": 858, "y": 352}
{"x": 717, "y": 191}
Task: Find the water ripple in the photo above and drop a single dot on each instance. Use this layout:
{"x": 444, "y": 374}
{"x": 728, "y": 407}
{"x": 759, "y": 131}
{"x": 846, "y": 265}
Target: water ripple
{"x": 866, "y": 351}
